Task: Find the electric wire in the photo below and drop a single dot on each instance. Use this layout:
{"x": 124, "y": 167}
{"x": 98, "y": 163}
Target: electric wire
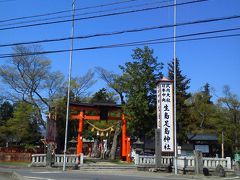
{"x": 128, "y": 31}
{"x": 64, "y": 11}
{"x": 6, "y": 1}
{"x": 87, "y": 13}
{"x": 100, "y": 16}
{"x": 135, "y": 43}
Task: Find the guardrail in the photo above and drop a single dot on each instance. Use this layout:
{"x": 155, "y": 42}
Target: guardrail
{"x": 183, "y": 162}
{"x": 58, "y": 160}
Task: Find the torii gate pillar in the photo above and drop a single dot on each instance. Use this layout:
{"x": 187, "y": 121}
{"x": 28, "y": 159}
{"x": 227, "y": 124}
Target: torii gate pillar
{"x": 125, "y": 140}
{"x": 80, "y": 131}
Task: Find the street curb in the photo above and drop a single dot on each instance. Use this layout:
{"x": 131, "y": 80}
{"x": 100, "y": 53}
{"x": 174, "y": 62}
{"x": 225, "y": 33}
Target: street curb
{"x": 16, "y": 176}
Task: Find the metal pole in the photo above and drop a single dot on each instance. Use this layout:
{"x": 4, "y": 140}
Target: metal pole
{"x": 175, "y": 85}
{"x": 222, "y": 144}
{"x": 69, "y": 86}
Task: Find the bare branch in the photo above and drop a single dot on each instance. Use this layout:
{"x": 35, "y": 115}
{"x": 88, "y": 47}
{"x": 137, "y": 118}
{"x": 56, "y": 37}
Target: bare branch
{"x": 111, "y": 80}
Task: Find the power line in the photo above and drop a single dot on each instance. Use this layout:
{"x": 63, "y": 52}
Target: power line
{"x": 64, "y": 11}
{"x": 6, "y": 1}
{"x": 136, "y": 43}
{"x": 99, "y": 16}
{"x": 131, "y": 31}
{"x": 190, "y": 39}
{"x": 88, "y": 13}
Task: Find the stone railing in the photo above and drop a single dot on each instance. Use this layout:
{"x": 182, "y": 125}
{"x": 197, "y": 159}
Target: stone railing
{"x": 71, "y": 160}
{"x": 144, "y": 160}
{"x": 39, "y": 160}
{"x": 213, "y": 162}
{"x": 183, "y": 162}
{"x": 166, "y": 160}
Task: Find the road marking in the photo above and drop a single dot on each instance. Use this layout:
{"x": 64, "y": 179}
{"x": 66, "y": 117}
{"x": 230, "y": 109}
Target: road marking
{"x": 45, "y": 172}
{"x": 31, "y": 177}
{"x": 237, "y": 177}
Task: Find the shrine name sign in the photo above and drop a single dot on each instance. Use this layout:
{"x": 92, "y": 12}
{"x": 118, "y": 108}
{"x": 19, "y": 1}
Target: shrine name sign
{"x": 165, "y": 120}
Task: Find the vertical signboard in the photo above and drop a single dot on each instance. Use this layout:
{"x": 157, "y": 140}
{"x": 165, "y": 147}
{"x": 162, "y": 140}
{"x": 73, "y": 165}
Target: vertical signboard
{"x": 165, "y": 120}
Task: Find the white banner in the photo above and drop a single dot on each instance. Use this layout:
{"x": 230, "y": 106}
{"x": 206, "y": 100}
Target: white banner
{"x": 165, "y": 114}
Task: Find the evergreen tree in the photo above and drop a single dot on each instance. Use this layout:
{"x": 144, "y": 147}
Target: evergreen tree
{"x": 60, "y": 111}
{"x": 6, "y": 113}
{"x": 202, "y": 111}
{"x": 202, "y": 114}
{"x": 102, "y": 96}
{"x": 206, "y": 93}
{"x": 181, "y": 95}
{"x": 139, "y": 83}
{"x": 23, "y": 128}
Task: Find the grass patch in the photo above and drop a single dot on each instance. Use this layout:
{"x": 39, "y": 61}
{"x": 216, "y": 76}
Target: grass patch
{"x": 88, "y": 161}
{"x": 97, "y": 161}
{"x": 119, "y": 162}
{"x": 25, "y": 164}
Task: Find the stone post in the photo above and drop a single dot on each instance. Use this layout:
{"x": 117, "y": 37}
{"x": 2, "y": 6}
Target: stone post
{"x": 81, "y": 158}
{"x": 157, "y": 148}
{"x": 229, "y": 164}
{"x": 49, "y": 155}
{"x": 198, "y": 162}
{"x": 137, "y": 159}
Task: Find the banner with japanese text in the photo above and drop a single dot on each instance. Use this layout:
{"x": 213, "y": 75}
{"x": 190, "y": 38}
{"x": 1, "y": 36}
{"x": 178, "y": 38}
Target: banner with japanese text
{"x": 165, "y": 120}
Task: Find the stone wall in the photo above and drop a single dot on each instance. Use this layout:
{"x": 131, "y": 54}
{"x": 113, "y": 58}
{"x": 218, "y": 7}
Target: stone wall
{"x": 15, "y": 157}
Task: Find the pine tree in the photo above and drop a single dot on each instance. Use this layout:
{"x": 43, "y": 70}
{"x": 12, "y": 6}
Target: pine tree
{"x": 139, "y": 83}
{"x": 206, "y": 93}
{"x": 181, "y": 94}
{"x": 6, "y": 113}
{"x": 103, "y": 96}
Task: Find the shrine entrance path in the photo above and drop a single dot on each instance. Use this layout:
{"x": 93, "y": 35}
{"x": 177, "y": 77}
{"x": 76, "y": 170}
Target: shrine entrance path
{"x": 97, "y": 163}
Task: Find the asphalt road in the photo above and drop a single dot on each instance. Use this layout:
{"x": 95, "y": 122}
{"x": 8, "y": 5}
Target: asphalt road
{"x": 55, "y": 174}
{"x": 43, "y": 174}
{"x": 116, "y": 175}
{"x": 5, "y": 176}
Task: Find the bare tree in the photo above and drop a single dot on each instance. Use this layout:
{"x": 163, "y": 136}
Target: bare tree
{"x": 232, "y": 103}
{"x": 29, "y": 79}
{"x": 112, "y": 80}
{"x": 80, "y": 85}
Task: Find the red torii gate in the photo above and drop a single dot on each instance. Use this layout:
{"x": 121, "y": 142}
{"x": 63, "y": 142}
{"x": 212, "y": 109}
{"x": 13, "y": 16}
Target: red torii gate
{"x": 102, "y": 110}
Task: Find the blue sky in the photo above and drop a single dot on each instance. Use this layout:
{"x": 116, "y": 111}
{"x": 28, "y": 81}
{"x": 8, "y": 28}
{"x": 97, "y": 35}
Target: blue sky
{"x": 215, "y": 61}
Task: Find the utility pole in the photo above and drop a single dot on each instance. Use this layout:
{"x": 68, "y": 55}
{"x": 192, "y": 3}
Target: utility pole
{"x": 175, "y": 84}
{"x": 222, "y": 144}
{"x": 69, "y": 85}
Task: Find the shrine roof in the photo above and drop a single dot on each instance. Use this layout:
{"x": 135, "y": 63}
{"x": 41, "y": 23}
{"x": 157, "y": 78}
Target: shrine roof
{"x": 97, "y": 105}
{"x": 164, "y": 79}
{"x": 202, "y": 137}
